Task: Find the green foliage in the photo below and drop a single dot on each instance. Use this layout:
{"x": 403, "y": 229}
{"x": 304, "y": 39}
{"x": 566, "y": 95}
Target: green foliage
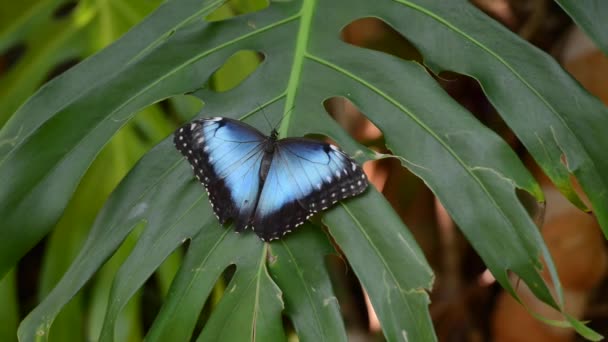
{"x": 49, "y": 144}
{"x": 585, "y": 14}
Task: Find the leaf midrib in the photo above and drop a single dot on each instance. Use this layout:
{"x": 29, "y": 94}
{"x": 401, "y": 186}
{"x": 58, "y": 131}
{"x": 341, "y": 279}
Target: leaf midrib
{"x": 306, "y": 14}
{"x": 261, "y": 265}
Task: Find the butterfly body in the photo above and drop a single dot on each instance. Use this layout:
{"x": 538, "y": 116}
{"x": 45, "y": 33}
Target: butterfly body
{"x": 264, "y": 183}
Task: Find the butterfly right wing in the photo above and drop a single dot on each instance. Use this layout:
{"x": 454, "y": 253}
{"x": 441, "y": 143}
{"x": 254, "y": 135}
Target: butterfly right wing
{"x": 226, "y": 156}
{"x": 305, "y": 177}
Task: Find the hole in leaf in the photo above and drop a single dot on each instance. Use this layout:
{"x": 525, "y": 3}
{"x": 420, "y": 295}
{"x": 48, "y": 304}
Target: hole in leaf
{"x": 408, "y": 195}
{"x": 535, "y": 210}
{"x": 221, "y": 286}
{"x": 353, "y": 121}
{"x": 234, "y": 8}
{"x": 375, "y": 34}
{"x": 65, "y": 9}
{"x": 182, "y": 108}
{"x": 10, "y": 57}
{"x": 235, "y": 70}
{"x": 349, "y": 293}
{"x": 468, "y": 93}
{"x": 151, "y": 301}
{"x": 288, "y": 326}
{"x": 228, "y": 274}
{"x": 27, "y": 274}
{"x": 61, "y": 68}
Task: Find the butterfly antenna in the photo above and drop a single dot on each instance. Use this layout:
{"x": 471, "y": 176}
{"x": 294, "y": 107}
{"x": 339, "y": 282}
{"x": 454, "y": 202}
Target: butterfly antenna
{"x": 284, "y": 115}
{"x": 265, "y": 117}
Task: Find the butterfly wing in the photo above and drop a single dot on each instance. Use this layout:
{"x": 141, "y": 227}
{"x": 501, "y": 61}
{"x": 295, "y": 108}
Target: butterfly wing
{"x": 226, "y": 156}
{"x": 305, "y": 176}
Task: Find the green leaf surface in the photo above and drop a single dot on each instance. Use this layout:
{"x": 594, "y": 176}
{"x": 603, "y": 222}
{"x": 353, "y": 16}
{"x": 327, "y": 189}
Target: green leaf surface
{"x": 209, "y": 254}
{"x": 9, "y": 315}
{"x": 297, "y": 265}
{"x": 175, "y": 51}
{"x": 50, "y": 40}
{"x": 70, "y": 154}
{"x": 134, "y": 202}
{"x": 160, "y": 238}
{"x": 389, "y": 264}
{"x": 128, "y": 323}
{"x": 524, "y": 84}
{"x": 588, "y": 15}
{"x": 250, "y": 309}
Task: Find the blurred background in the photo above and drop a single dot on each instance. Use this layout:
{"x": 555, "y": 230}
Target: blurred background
{"x": 40, "y": 39}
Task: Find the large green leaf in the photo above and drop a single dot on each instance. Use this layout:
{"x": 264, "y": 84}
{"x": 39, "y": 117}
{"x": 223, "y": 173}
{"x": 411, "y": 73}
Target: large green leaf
{"x": 176, "y": 51}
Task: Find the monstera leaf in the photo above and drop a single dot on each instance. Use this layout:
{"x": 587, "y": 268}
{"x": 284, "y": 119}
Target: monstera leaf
{"x": 50, "y": 142}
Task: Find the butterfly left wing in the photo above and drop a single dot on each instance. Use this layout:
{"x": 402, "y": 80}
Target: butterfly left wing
{"x": 225, "y": 156}
{"x": 305, "y": 176}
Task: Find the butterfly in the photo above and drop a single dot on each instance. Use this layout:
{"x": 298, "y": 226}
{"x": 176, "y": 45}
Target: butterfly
{"x": 264, "y": 183}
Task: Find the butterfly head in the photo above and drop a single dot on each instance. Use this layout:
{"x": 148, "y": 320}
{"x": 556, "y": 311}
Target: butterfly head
{"x": 274, "y": 135}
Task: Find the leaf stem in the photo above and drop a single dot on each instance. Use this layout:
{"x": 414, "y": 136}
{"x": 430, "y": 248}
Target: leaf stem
{"x": 306, "y": 14}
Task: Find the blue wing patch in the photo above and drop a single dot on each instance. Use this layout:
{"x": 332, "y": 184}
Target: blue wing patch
{"x": 270, "y": 185}
{"x": 225, "y": 156}
{"x": 306, "y": 176}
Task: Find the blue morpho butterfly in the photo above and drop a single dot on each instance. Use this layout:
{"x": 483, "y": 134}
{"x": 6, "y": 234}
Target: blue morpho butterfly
{"x": 269, "y": 185}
